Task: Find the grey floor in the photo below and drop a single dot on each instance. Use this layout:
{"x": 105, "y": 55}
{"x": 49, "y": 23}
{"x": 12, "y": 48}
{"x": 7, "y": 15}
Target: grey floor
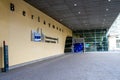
{"x": 90, "y": 66}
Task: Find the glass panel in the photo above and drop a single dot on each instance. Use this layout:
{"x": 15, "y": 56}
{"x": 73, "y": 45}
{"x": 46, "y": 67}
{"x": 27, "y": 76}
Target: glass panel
{"x": 117, "y": 43}
{"x": 81, "y": 35}
{"x": 90, "y": 47}
{"x": 99, "y": 35}
{"x": 89, "y": 40}
{"x": 95, "y": 39}
{"x": 98, "y": 39}
{"x": 89, "y": 35}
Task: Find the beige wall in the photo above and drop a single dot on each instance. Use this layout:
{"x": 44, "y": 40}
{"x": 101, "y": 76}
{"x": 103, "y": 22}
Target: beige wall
{"x": 16, "y": 30}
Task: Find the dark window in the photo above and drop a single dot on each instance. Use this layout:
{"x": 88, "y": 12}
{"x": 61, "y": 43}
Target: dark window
{"x": 57, "y": 28}
{"x": 49, "y": 24}
{"x": 12, "y": 7}
{"x": 32, "y": 16}
{"x": 53, "y": 26}
{"x": 44, "y": 22}
{"x": 60, "y": 29}
{"x": 24, "y": 13}
{"x": 38, "y": 19}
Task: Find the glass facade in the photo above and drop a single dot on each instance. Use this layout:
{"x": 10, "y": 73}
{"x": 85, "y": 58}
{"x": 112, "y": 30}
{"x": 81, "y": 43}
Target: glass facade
{"x": 118, "y": 43}
{"x": 95, "y": 40}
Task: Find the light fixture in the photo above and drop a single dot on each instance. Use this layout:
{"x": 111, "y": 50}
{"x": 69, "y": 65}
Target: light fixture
{"x": 107, "y": 9}
{"x": 79, "y": 12}
{"x": 109, "y": 0}
{"x": 75, "y": 4}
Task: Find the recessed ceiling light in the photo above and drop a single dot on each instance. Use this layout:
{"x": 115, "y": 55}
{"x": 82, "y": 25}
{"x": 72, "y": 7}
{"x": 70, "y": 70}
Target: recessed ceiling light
{"x": 105, "y": 15}
{"x": 107, "y": 9}
{"x": 109, "y": 0}
{"x": 75, "y": 4}
{"x": 79, "y": 12}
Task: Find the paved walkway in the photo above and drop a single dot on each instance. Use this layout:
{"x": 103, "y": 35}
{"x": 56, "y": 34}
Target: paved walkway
{"x": 70, "y": 67}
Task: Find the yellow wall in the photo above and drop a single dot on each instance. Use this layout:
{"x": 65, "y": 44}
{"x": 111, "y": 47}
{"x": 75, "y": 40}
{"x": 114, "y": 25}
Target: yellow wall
{"x": 4, "y": 26}
{"x": 15, "y": 29}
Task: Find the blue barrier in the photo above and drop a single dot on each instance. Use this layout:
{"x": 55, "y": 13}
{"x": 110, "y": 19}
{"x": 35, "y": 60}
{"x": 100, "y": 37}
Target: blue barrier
{"x": 78, "y": 47}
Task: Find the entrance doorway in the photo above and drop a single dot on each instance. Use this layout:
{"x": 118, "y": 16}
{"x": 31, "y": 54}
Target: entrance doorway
{"x": 68, "y": 45}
